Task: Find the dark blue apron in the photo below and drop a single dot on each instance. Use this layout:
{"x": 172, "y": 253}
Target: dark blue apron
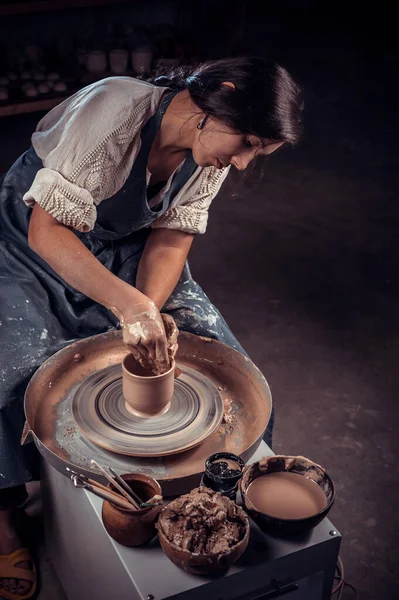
{"x": 40, "y": 313}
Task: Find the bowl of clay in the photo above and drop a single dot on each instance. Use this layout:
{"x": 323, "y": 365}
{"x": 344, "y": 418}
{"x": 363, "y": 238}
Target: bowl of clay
{"x": 203, "y": 532}
{"x": 286, "y": 495}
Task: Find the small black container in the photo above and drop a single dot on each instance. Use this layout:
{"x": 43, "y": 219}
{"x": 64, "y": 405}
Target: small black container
{"x": 222, "y": 473}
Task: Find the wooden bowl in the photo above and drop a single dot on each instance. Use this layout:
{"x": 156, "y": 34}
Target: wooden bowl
{"x": 203, "y": 564}
{"x": 133, "y": 527}
{"x": 295, "y": 464}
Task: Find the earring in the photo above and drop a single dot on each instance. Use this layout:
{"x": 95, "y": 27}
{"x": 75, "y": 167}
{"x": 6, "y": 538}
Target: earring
{"x": 201, "y": 124}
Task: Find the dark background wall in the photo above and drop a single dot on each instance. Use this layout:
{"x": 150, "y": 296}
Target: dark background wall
{"x": 304, "y": 265}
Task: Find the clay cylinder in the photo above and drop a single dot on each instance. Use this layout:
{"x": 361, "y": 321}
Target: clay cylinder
{"x": 146, "y": 395}
{"x": 133, "y": 527}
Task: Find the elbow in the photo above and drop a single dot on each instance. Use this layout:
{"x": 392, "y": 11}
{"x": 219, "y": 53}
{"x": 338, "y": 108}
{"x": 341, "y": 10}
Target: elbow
{"x": 33, "y": 238}
{"x": 39, "y": 227}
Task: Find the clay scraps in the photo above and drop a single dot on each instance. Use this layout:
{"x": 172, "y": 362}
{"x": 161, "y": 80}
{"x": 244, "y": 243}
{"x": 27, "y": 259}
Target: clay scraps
{"x": 204, "y": 522}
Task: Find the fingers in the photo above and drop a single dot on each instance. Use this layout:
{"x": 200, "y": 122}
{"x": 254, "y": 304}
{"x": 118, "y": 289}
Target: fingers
{"x": 171, "y": 330}
{"x": 141, "y": 356}
{"x": 152, "y": 341}
{"x": 162, "y": 357}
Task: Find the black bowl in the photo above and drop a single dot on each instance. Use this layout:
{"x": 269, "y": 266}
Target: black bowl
{"x": 294, "y": 464}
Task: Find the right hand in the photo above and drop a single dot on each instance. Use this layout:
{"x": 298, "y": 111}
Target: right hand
{"x": 144, "y": 334}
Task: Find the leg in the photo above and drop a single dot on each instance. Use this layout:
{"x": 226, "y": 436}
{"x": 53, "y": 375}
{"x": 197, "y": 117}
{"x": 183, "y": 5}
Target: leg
{"x": 193, "y": 312}
{"x": 10, "y": 521}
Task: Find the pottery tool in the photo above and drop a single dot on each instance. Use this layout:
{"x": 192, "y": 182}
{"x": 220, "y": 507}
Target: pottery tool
{"x": 157, "y": 499}
{"x": 101, "y": 491}
{"x": 151, "y": 502}
{"x": 113, "y": 482}
{"x": 125, "y": 486}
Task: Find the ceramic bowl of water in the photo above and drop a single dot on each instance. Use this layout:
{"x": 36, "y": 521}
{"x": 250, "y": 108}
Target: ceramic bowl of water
{"x": 286, "y": 495}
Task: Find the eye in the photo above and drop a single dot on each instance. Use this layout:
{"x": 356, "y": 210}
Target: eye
{"x": 247, "y": 143}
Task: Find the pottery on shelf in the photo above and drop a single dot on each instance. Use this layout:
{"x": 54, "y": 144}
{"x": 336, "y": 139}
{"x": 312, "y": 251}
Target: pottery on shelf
{"x": 118, "y": 59}
{"x": 43, "y": 88}
{"x": 141, "y": 59}
{"x": 60, "y": 86}
{"x": 96, "y": 61}
{"x": 31, "y": 91}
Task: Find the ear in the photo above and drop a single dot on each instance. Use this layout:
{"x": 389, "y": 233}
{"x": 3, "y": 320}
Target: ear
{"x": 229, "y": 84}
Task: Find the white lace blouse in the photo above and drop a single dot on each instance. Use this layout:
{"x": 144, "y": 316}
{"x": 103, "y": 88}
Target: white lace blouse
{"x": 88, "y": 145}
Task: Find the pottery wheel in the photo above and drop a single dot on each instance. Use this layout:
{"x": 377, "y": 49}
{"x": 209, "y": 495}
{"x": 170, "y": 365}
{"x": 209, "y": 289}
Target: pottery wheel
{"x": 195, "y": 412}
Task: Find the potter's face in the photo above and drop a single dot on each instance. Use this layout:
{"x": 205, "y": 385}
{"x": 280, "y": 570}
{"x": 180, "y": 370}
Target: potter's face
{"x": 219, "y": 146}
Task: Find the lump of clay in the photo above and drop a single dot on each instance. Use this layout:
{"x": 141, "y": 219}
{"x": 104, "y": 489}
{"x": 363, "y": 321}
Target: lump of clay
{"x": 203, "y": 522}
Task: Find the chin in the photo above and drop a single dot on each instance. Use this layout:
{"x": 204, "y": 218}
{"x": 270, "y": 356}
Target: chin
{"x": 201, "y": 161}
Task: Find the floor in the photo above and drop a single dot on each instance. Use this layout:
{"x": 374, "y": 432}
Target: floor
{"x": 304, "y": 268}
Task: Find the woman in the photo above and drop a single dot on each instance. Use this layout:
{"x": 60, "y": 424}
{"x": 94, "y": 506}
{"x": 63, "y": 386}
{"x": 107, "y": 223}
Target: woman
{"x": 96, "y": 222}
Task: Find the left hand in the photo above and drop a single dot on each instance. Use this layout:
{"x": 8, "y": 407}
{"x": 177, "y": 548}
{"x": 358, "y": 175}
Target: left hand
{"x": 172, "y": 333}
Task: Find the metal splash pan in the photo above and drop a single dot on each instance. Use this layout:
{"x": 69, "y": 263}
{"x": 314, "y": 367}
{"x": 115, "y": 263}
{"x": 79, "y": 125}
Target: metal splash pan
{"x": 50, "y": 423}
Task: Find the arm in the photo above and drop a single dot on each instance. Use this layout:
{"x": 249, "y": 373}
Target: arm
{"x": 142, "y": 326}
{"x": 162, "y": 262}
{"x": 70, "y": 258}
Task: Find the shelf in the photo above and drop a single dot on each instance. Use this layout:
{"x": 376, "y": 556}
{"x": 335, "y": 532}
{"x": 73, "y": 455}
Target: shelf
{"x": 18, "y": 8}
{"x": 38, "y": 104}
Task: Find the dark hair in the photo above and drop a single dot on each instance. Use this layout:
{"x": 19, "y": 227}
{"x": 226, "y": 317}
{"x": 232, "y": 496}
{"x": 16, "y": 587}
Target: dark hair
{"x": 265, "y": 102}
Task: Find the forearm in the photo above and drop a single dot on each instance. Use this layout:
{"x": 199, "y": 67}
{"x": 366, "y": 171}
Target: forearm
{"x": 70, "y": 258}
{"x": 162, "y": 263}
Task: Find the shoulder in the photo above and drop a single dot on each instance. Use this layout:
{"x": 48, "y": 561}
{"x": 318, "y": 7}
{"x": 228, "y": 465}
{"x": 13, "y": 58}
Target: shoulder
{"x": 109, "y": 101}
{"x": 122, "y": 90}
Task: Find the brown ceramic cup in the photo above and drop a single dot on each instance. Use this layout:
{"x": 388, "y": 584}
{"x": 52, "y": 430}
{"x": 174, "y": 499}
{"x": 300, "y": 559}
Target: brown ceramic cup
{"x": 146, "y": 395}
{"x": 133, "y": 527}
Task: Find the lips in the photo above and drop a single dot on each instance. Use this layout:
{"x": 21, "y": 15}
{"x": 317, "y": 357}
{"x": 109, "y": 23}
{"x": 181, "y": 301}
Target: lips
{"x": 219, "y": 165}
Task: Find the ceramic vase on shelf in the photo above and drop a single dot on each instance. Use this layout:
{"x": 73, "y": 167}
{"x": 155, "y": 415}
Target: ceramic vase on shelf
{"x": 118, "y": 59}
{"x": 96, "y": 61}
{"x": 141, "y": 59}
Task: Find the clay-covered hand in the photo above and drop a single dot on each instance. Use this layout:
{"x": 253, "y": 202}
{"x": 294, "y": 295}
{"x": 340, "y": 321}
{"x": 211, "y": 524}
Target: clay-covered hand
{"x": 144, "y": 334}
{"x": 172, "y": 333}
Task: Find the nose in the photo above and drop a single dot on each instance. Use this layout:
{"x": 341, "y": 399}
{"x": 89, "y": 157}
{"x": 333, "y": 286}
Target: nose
{"x": 241, "y": 161}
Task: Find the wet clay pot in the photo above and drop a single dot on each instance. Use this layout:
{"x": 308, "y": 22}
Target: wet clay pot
{"x": 133, "y": 527}
{"x": 146, "y": 394}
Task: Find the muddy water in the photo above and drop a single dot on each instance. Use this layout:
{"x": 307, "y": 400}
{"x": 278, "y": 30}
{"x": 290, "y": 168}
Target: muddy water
{"x": 286, "y": 495}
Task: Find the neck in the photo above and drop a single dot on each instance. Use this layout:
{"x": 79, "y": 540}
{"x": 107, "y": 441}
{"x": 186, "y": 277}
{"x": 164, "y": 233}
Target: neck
{"x": 179, "y": 124}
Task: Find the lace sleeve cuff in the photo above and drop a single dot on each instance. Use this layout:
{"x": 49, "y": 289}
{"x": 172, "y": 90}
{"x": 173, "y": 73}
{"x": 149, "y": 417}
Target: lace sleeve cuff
{"x": 190, "y": 219}
{"x": 70, "y": 204}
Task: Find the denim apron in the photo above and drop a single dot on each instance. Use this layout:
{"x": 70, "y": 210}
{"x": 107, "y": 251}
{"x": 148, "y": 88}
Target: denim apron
{"x": 40, "y": 313}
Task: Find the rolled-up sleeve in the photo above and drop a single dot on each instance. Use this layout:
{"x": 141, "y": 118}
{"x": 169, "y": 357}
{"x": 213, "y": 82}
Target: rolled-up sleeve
{"x": 189, "y": 211}
{"x": 87, "y": 145}
{"x": 70, "y": 204}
